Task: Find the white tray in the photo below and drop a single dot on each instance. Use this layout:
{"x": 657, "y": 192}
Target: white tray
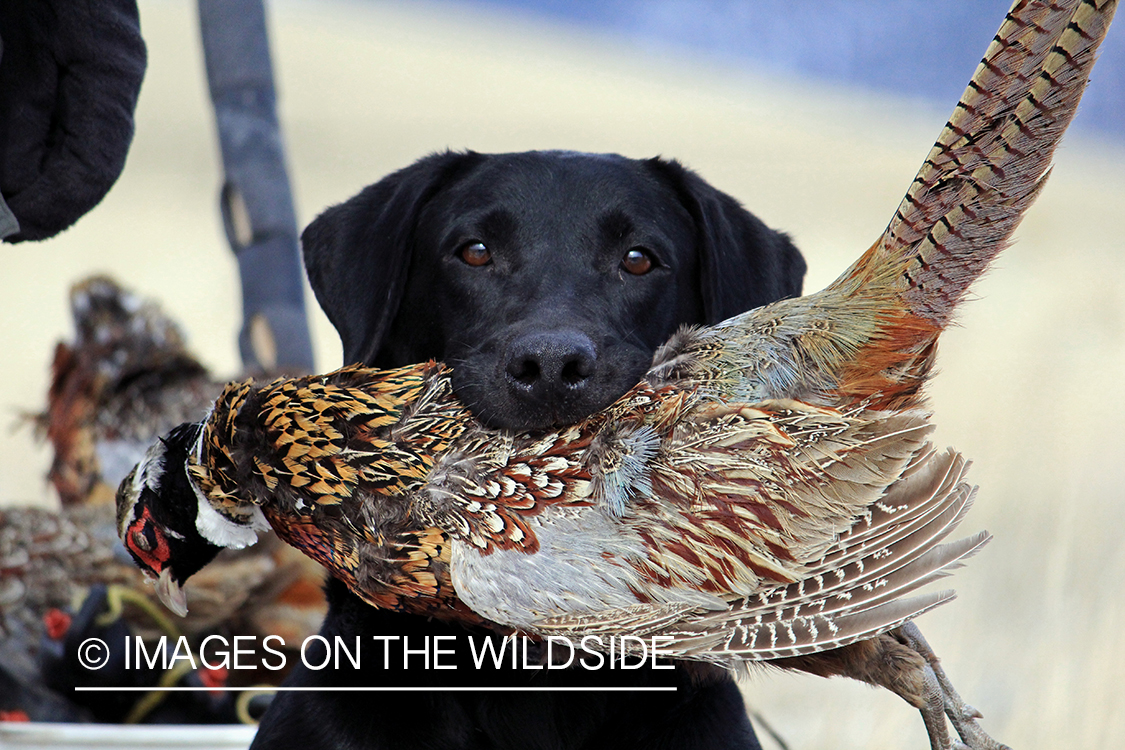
{"x": 30, "y": 735}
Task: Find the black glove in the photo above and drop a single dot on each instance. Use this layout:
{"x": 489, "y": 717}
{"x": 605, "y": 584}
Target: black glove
{"x": 70, "y": 73}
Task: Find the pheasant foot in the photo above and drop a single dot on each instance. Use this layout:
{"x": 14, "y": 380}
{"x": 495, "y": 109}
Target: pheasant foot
{"x": 942, "y": 700}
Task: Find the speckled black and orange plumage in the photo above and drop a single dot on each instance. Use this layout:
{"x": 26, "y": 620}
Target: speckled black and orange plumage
{"x": 303, "y": 442}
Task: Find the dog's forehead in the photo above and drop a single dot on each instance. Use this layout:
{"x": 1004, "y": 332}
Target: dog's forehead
{"x": 545, "y": 180}
{"x": 558, "y": 193}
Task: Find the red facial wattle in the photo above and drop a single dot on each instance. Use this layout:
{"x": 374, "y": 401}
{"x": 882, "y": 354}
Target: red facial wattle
{"x": 146, "y": 543}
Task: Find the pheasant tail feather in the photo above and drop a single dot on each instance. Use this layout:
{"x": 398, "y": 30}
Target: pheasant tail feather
{"x": 991, "y": 159}
{"x": 987, "y": 167}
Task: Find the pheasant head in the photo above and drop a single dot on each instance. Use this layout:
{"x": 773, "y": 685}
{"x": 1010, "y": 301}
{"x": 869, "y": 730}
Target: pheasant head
{"x": 167, "y": 525}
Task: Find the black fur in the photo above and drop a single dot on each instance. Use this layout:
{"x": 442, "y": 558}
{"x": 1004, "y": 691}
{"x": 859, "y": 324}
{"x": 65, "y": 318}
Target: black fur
{"x": 70, "y": 73}
{"x": 385, "y": 268}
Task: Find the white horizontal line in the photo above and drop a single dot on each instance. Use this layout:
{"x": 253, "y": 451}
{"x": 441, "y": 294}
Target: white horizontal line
{"x": 412, "y": 689}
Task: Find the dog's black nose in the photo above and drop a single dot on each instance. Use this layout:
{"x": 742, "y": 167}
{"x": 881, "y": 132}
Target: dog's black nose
{"x": 546, "y": 365}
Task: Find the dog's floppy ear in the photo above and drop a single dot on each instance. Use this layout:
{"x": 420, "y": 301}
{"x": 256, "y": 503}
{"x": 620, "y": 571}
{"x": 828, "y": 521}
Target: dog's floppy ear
{"x": 357, "y": 252}
{"x": 743, "y": 263}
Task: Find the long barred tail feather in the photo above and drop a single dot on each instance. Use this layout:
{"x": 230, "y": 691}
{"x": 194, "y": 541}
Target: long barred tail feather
{"x": 870, "y": 336}
{"x": 872, "y": 333}
{"x": 991, "y": 159}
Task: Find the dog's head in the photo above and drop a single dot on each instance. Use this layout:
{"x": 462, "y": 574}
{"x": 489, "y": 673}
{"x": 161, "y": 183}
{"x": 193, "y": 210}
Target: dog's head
{"x": 546, "y": 279}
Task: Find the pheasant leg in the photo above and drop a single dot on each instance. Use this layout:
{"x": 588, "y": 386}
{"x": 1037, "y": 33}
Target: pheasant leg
{"x": 942, "y": 699}
{"x": 933, "y": 712}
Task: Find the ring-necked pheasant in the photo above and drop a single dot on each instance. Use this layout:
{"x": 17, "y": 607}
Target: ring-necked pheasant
{"x": 126, "y": 377}
{"x": 766, "y": 493}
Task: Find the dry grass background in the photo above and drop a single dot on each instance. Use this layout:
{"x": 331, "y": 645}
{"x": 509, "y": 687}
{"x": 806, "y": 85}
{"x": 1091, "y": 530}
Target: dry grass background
{"x": 1030, "y": 385}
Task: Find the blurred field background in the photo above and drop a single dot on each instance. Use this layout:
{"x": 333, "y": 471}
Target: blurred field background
{"x": 1030, "y": 386}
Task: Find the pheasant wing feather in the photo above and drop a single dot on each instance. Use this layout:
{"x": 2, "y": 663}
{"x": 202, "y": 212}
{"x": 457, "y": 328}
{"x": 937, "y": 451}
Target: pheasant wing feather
{"x": 747, "y": 495}
{"x": 848, "y": 587}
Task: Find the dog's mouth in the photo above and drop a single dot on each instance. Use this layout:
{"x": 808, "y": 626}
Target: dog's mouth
{"x": 501, "y": 401}
{"x": 501, "y": 410}
{"x": 538, "y": 379}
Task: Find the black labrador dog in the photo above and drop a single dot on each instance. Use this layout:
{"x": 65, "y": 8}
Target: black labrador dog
{"x": 547, "y": 280}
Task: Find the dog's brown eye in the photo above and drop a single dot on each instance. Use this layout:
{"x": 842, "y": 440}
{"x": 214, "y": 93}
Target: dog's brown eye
{"x": 475, "y": 254}
{"x": 637, "y": 261}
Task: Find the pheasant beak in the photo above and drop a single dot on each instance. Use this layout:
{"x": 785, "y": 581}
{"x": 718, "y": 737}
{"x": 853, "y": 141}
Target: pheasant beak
{"x": 171, "y": 593}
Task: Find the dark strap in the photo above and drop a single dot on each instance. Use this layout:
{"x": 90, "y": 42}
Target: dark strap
{"x": 255, "y": 200}
{"x": 8, "y": 223}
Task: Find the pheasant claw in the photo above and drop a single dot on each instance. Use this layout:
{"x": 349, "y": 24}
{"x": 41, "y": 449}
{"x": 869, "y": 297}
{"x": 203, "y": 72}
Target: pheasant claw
{"x": 942, "y": 698}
